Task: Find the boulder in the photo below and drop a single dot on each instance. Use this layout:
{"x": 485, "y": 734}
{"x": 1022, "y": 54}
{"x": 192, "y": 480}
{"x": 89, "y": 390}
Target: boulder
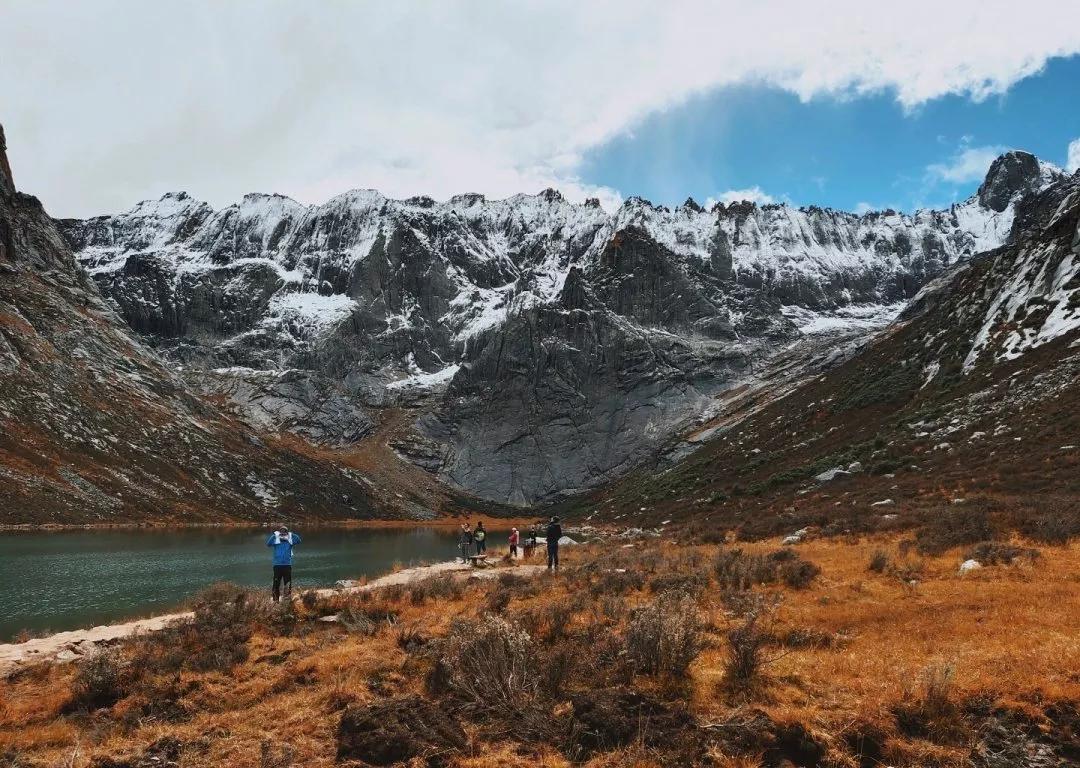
{"x": 969, "y": 565}
{"x": 831, "y": 474}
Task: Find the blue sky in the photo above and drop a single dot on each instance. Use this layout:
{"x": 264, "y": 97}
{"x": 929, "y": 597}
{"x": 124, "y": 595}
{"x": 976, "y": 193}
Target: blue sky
{"x": 839, "y": 152}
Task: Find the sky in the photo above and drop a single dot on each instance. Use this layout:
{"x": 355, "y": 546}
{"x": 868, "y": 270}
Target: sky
{"x": 864, "y": 106}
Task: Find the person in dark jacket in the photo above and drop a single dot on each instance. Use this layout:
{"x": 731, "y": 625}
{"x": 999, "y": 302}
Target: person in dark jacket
{"x": 554, "y": 533}
{"x": 282, "y": 542}
{"x": 465, "y": 542}
{"x": 480, "y": 537}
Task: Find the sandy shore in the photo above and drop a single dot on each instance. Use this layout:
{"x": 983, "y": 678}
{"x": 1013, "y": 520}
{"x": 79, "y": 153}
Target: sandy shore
{"x": 69, "y": 646}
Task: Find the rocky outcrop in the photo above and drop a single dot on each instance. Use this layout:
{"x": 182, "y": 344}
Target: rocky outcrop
{"x": 556, "y": 344}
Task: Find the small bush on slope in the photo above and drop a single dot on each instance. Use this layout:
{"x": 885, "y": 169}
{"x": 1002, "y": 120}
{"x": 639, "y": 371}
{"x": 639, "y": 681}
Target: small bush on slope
{"x": 665, "y": 635}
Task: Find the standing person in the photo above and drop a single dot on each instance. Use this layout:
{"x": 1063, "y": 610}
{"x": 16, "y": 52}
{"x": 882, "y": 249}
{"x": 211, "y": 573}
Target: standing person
{"x": 513, "y": 542}
{"x": 530, "y": 541}
{"x": 481, "y": 539}
{"x": 464, "y": 542}
{"x": 554, "y": 533}
{"x": 282, "y": 542}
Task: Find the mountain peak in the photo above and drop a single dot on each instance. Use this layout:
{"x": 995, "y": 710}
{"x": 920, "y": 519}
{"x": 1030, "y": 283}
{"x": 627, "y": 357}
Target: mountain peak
{"x": 1012, "y": 175}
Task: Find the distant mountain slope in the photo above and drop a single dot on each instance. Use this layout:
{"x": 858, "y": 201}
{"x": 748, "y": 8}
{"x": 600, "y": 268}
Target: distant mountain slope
{"x": 543, "y": 346}
{"x": 96, "y": 428}
{"x": 967, "y": 405}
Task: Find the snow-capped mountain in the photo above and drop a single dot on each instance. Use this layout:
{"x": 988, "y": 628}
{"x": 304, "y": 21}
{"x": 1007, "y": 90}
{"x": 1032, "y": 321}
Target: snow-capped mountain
{"x": 546, "y": 346}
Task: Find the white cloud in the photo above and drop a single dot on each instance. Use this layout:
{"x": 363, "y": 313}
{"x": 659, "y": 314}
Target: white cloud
{"x": 109, "y": 102}
{"x": 967, "y": 165}
{"x": 1072, "y": 163}
{"x": 754, "y": 194}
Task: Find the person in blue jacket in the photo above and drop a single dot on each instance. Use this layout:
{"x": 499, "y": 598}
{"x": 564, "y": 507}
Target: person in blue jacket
{"x": 282, "y": 541}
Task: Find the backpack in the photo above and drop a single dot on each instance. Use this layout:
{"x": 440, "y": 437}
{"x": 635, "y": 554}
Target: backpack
{"x": 480, "y": 534}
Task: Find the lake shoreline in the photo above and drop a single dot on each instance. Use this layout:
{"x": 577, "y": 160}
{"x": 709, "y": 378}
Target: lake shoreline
{"x": 70, "y": 645}
{"x": 493, "y": 523}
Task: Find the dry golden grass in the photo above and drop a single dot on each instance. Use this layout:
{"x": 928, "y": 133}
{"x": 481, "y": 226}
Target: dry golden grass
{"x": 1010, "y": 633}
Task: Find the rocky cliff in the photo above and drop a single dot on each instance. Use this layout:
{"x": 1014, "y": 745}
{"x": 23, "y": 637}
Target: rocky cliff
{"x": 96, "y": 427}
{"x": 542, "y": 346}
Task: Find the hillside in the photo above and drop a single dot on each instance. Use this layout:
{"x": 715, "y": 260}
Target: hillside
{"x": 966, "y": 406}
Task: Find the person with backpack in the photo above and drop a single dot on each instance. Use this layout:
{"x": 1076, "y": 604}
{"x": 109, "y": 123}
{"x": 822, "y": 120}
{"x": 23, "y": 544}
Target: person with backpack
{"x": 554, "y": 533}
{"x": 282, "y": 541}
{"x": 530, "y": 541}
{"x": 480, "y": 536}
{"x": 514, "y": 542}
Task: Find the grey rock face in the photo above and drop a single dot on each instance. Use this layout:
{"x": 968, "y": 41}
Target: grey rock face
{"x": 1011, "y": 177}
{"x": 95, "y": 427}
{"x": 557, "y": 344}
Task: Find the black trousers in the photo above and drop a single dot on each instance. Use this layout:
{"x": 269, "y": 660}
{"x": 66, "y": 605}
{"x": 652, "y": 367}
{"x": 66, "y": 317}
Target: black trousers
{"x": 553, "y": 555}
{"x": 282, "y": 573}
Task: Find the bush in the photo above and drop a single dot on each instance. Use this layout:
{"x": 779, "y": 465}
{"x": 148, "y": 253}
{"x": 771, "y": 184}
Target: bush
{"x": 216, "y": 638}
{"x": 225, "y": 617}
{"x": 933, "y": 714}
{"x": 100, "y": 681}
{"x": 1000, "y": 553}
{"x": 366, "y": 617}
{"x": 665, "y": 635}
{"x": 616, "y": 582}
{"x": 736, "y": 570}
{"x": 879, "y": 561}
{"x": 444, "y": 587}
{"x": 746, "y": 642}
{"x": 955, "y": 528}
{"x": 690, "y": 583}
{"x": 799, "y": 573}
{"x": 498, "y": 599}
{"x": 488, "y": 665}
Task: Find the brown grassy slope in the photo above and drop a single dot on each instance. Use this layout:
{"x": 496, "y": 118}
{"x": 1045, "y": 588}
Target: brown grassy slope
{"x": 856, "y": 663}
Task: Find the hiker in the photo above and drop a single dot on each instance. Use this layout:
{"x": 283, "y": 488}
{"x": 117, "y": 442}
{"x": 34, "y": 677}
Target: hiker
{"x": 480, "y": 536}
{"x": 465, "y": 542}
{"x": 554, "y": 533}
{"x": 530, "y": 541}
{"x": 513, "y": 542}
{"x": 283, "y": 541}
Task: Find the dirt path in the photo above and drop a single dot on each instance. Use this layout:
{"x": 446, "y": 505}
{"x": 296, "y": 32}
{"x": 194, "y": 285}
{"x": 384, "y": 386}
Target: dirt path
{"x": 69, "y": 646}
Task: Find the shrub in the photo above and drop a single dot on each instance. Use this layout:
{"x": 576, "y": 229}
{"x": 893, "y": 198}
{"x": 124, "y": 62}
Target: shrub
{"x": 933, "y": 714}
{"x": 275, "y": 756}
{"x": 444, "y": 587}
{"x": 616, "y": 582}
{"x": 736, "y": 570}
{"x": 410, "y": 639}
{"x": 665, "y": 635}
{"x": 225, "y": 615}
{"x": 799, "y": 573}
{"x": 366, "y": 617}
{"x": 214, "y": 639}
{"x": 955, "y": 528}
{"x": 498, "y": 599}
{"x": 879, "y": 561}
{"x": 488, "y": 664}
{"x": 690, "y": 583}
{"x": 1058, "y": 527}
{"x": 100, "y": 681}
{"x": 1000, "y": 553}
{"x": 746, "y": 642}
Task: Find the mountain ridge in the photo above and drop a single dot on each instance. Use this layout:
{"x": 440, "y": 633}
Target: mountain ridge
{"x": 547, "y": 323}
